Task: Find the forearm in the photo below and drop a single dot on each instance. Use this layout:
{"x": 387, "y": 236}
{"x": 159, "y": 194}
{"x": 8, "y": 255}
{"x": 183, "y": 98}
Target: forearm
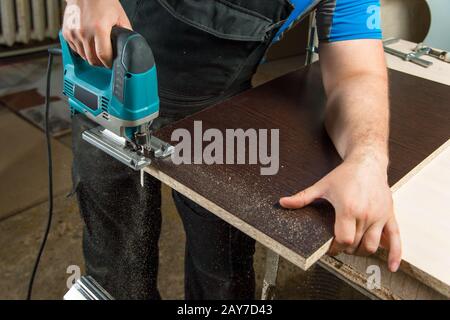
{"x": 357, "y": 113}
{"x": 357, "y": 120}
{"x": 357, "y": 116}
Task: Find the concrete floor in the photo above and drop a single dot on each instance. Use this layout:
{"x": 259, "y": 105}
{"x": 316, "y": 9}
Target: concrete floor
{"x": 23, "y": 210}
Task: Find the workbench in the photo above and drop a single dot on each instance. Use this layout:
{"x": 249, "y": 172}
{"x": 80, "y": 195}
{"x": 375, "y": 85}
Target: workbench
{"x": 294, "y": 104}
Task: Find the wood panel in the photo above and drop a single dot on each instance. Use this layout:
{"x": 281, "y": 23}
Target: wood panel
{"x": 439, "y": 71}
{"x": 423, "y": 213}
{"x": 403, "y": 284}
{"x": 294, "y": 104}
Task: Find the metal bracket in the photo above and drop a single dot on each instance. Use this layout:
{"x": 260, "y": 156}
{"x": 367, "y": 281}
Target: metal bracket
{"x": 422, "y": 49}
{"x": 311, "y": 49}
{"x": 411, "y": 56}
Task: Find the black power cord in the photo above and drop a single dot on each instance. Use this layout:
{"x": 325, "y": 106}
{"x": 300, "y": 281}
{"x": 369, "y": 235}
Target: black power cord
{"x": 51, "y": 53}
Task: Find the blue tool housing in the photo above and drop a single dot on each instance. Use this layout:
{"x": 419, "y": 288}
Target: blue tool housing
{"x": 121, "y": 98}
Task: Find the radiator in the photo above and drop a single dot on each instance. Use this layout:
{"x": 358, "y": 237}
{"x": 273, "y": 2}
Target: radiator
{"x": 22, "y": 21}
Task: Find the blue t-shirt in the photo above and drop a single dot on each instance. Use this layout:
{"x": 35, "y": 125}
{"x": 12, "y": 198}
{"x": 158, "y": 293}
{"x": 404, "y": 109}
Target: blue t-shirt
{"x": 338, "y": 20}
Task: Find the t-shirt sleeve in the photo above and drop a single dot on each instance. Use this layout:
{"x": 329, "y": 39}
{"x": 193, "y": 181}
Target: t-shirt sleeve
{"x": 339, "y": 20}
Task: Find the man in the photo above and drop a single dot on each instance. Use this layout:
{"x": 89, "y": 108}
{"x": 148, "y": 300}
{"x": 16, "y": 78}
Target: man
{"x": 207, "y": 51}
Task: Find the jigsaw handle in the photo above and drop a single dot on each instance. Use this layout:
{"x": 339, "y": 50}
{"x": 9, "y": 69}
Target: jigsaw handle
{"x": 128, "y": 46}
{"x": 132, "y": 50}
{"x": 132, "y": 56}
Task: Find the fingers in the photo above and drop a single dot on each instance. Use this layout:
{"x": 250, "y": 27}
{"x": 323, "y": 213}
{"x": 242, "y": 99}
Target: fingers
{"x": 370, "y": 241}
{"x": 392, "y": 235}
{"x": 72, "y": 46}
{"x": 303, "y": 198}
{"x": 360, "y": 228}
{"x": 74, "y": 43}
{"x": 102, "y": 40}
{"x": 90, "y": 52}
{"x": 95, "y": 49}
{"x": 87, "y": 29}
{"x": 344, "y": 233}
{"x": 123, "y": 21}
{"x": 103, "y": 47}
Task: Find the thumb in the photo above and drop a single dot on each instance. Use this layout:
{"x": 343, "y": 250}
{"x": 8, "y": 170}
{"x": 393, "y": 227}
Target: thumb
{"x": 302, "y": 198}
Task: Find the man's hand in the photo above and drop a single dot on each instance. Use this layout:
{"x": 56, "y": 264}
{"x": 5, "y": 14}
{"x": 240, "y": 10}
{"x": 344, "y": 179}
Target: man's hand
{"x": 357, "y": 119}
{"x": 90, "y": 37}
{"x": 359, "y": 192}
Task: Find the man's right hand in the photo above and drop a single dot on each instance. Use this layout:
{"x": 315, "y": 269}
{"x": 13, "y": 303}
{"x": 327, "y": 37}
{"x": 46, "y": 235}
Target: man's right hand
{"x": 91, "y": 37}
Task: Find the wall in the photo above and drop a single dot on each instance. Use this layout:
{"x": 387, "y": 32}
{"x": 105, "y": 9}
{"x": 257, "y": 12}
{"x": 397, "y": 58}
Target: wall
{"x": 405, "y": 19}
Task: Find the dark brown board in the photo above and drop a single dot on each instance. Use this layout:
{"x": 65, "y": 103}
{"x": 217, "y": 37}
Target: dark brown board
{"x": 294, "y": 104}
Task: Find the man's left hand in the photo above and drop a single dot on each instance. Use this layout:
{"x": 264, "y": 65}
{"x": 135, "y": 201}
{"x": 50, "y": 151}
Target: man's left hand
{"x": 361, "y": 197}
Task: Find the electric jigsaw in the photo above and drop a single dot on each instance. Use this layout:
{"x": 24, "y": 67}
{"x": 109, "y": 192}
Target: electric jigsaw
{"x": 123, "y": 100}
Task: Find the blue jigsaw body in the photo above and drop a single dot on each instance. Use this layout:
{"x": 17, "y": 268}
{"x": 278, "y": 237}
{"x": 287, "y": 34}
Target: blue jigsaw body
{"x": 120, "y": 99}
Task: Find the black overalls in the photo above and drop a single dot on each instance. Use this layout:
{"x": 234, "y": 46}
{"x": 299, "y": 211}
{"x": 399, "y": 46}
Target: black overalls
{"x": 205, "y": 52}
